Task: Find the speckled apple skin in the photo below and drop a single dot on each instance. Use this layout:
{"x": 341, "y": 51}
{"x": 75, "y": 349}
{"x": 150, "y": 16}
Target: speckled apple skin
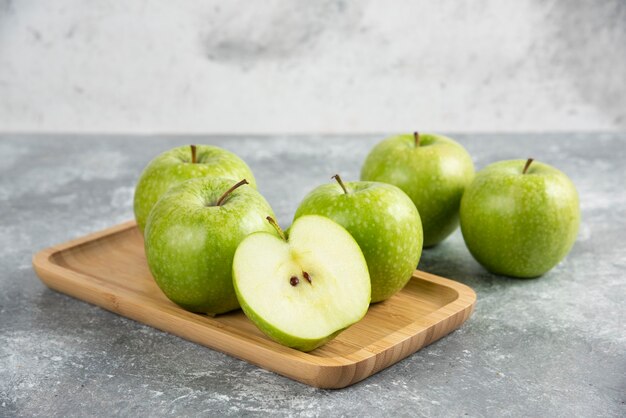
{"x": 383, "y": 221}
{"x": 174, "y": 166}
{"x": 434, "y": 175}
{"x": 520, "y": 225}
{"x": 190, "y": 242}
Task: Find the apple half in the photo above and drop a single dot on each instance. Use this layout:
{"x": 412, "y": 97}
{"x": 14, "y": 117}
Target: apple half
{"x": 304, "y": 290}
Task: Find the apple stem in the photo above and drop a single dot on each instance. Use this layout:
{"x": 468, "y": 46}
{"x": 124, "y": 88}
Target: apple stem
{"x": 193, "y": 154}
{"x": 528, "y": 162}
{"x": 416, "y": 135}
{"x": 277, "y": 227}
{"x": 229, "y": 191}
{"x": 343, "y": 186}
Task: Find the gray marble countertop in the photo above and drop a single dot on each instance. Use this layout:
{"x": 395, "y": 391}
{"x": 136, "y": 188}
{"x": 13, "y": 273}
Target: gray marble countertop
{"x": 553, "y": 346}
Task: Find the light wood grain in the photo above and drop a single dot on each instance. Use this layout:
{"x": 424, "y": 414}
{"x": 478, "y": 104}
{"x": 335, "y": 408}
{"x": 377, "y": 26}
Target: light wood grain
{"x": 109, "y": 269}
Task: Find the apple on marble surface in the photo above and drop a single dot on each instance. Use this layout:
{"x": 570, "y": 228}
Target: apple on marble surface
{"x": 183, "y": 163}
{"x": 304, "y": 289}
{"x": 191, "y": 236}
{"x": 433, "y": 170}
{"x": 520, "y": 218}
{"x": 383, "y": 221}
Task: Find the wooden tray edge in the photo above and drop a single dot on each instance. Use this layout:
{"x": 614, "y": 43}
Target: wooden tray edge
{"x": 462, "y": 308}
{"x": 340, "y": 374}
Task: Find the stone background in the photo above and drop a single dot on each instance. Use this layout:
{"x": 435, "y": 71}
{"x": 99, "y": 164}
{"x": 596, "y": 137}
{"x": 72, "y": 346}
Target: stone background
{"x": 304, "y": 66}
{"x": 550, "y": 347}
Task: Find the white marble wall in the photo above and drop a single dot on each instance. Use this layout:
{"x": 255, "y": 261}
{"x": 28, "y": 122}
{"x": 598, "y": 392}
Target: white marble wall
{"x": 312, "y": 66}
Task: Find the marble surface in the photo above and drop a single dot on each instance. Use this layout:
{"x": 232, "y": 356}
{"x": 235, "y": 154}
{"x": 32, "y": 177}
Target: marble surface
{"x": 312, "y": 66}
{"x": 554, "y": 346}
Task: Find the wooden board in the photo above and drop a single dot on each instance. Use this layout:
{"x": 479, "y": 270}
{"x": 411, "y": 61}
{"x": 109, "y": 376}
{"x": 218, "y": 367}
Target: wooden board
{"x": 109, "y": 269}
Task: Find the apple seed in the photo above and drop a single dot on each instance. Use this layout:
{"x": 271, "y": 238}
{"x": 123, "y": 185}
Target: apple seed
{"x": 294, "y": 281}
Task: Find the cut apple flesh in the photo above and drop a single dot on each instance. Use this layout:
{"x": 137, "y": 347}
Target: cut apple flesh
{"x": 301, "y": 292}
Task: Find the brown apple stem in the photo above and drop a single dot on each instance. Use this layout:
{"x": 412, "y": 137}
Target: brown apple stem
{"x": 528, "y": 162}
{"x": 229, "y": 191}
{"x": 416, "y": 135}
{"x": 343, "y": 186}
{"x": 277, "y": 227}
{"x": 193, "y": 154}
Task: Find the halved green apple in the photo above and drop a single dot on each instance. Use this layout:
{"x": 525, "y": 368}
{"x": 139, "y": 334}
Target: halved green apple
{"x": 302, "y": 291}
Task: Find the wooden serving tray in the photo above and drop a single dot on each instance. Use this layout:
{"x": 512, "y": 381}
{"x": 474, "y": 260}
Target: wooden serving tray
{"x": 109, "y": 269}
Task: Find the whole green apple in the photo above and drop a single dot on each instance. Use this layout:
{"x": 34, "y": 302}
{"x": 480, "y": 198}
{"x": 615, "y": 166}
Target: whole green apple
{"x": 191, "y": 237}
{"x": 183, "y": 163}
{"x": 383, "y": 221}
{"x": 304, "y": 290}
{"x": 432, "y": 170}
{"x": 520, "y": 218}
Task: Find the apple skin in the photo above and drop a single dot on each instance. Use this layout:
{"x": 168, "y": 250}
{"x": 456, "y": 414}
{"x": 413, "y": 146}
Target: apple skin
{"x": 285, "y": 339}
{"x": 383, "y": 221}
{"x": 190, "y": 242}
{"x": 174, "y": 166}
{"x": 434, "y": 175}
{"x": 520, "y": 225}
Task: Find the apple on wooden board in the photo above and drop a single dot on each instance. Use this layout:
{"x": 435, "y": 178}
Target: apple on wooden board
{"x": 520, "y": 218}
{"x": 183, "y": 163}
{"x": 383, "y": 221}
{"x": 192, "y": 234}
{"x": 432, "y": 170}
{"x": 303, "y": 290}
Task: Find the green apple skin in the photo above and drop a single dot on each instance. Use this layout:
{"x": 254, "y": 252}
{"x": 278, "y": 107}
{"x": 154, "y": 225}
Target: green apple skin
{"x": 286, "y": 339}
{"x": 520, "y": 225}
{"x": 174, "y": 166}
{"x": 190, "y": 242}
{"x": 434, "y": 175}
{"x": 383, "y": 221}
{"x": 305, "y": 316}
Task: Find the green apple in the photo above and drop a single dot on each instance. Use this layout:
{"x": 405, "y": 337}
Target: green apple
{"x": 302, "y": 291}
{"x": 192, "y": 234}
{"x": 382, "y": 220}
{"x": 183, "y": 163}
{"x": 432, "y": 169}
{"x": 520, "y": 219}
